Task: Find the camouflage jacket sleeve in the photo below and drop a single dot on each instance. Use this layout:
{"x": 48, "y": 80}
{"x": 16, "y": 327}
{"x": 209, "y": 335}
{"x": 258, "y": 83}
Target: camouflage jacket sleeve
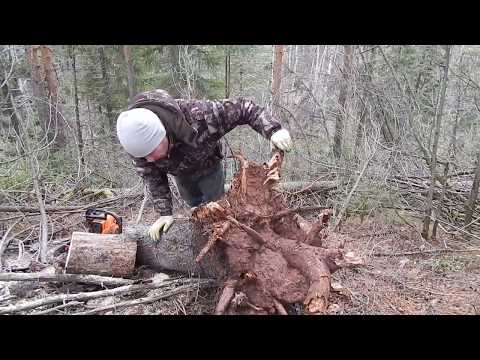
{"x": 223, "y": 116}
{"x": 157, "y": 185}
{"x": 246, "y": 112}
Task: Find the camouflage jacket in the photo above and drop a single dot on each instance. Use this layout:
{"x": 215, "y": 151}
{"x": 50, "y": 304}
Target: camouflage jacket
{"x": 194, "y": 129}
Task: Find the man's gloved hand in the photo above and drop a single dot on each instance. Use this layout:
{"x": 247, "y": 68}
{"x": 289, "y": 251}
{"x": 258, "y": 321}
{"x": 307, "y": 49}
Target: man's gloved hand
{"x": 282, "y": 140}
{"x": 161, "y": 225}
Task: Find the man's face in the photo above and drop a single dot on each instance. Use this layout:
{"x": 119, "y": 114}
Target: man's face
{"x": 159, "y": 152}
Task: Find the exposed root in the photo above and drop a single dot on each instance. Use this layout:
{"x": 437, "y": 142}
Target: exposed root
{"x": 280, "y": 309}
{"x": 243, "y": 166}
{"x": 226, "y": 296}
{"x": 255, "y": 235}
{"x": 219, "y": 231}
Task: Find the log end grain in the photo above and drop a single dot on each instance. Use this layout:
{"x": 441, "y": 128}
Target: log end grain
{"x": 109, "y": 255}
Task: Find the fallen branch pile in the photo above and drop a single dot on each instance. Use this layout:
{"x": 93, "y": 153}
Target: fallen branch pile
{"x": 414, "y": 189}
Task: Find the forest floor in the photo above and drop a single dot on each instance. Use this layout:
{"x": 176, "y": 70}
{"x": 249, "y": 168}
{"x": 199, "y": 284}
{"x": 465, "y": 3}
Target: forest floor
{"x": 403, "y": 275}
{"x": 441, "y": 282}
{"x": 435, "y": 282}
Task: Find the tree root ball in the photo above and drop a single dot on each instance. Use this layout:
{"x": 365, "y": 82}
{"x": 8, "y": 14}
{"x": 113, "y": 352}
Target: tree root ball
{"x": 272, "y": 255}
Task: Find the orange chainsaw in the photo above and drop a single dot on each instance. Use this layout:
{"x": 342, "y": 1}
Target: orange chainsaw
{"x": 103, "y": 222}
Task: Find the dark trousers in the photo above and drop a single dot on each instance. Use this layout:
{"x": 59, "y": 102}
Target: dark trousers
{"x": 196, "y": 190}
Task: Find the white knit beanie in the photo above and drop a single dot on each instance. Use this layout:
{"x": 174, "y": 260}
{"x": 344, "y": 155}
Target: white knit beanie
{"x": 140, "y": 131}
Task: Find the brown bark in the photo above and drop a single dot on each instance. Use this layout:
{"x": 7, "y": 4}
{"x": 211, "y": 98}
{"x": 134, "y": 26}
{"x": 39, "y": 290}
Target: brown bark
{"x": 45, "y": 90}
{"x": 38, "y": 89}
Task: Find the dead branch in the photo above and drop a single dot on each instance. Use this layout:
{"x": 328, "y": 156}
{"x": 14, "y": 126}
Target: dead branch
{"x": 6, "y": 240}
{"x": 142, "y": 206}
{"x": 347, "y": 200}
{"x": 92, "y": 295}
{"x": 145, "y": 300}
{"x": 281, "y": 214}
{"x": 70, "y": 278}
{"x": 59, "y": 307}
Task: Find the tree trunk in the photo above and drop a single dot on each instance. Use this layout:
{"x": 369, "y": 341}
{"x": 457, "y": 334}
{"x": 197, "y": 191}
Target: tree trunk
{"x": 127, "y": 54}
{"x": 106, "y": 87}
{"x": 470, "y": 205}
{"x": 39, "y": 92}
{"x": 227, "y": 73}
{"x": 241, "y": 80}
{"x": 277, "y": 75}
{"x": 365, "y": 98}
{"x": 71, "y": 49}
{"x": 433, "y": 160}
{"x": 452, "y": 149}
{"x": 342, "y": 99}
{"x": 9, "y": 111}
{"x": 45, "y": 90}
{"x": 52, "y": 84}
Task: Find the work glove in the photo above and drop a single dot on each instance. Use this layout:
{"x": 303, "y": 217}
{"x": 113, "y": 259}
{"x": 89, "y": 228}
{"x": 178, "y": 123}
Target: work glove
{"x": 281, "y": 140}
{"x": 159, "y": 226}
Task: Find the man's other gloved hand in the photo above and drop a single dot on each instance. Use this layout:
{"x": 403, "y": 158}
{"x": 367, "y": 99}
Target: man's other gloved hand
{"x": 282, "y": 140}
{"x": 159, "y": 226}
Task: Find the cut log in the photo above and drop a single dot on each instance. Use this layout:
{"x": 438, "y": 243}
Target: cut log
{"x": 110, "y": 255}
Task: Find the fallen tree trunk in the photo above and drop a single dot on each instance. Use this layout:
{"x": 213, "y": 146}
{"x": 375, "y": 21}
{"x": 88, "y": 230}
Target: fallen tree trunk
{"x": 117, "y": 254}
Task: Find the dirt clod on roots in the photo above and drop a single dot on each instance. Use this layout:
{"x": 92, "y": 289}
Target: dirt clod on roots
{"x": 273, "y": 256}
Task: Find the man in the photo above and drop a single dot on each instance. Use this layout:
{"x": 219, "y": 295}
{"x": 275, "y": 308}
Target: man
{"x": 181, "y": 137}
